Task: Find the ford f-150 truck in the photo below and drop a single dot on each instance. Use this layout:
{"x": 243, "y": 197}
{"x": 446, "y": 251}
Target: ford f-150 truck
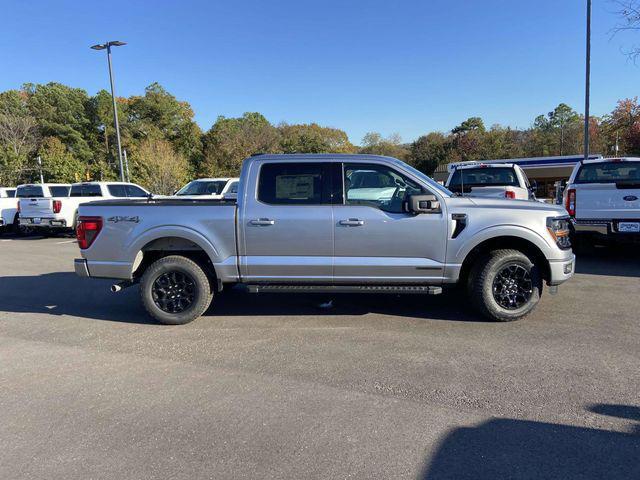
{"x": 60, "y": 211}
{"x": 603, "y": 199}
{"x": 307, "y": 223}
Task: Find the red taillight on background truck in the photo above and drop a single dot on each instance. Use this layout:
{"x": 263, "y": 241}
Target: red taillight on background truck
{"x": 510, "y": 194}
{"x": 87, "y": 230}
{"x": 57, "y": 206}
{"x": 570, "y": 204}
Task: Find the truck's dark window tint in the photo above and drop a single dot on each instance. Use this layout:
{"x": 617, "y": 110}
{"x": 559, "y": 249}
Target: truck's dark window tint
{"x": 134, "y": 191}
{"x": 482, "y": 177}
{"x": 117, "y": 191}
{"x": 59, "y": 191}
{"x": 11, "y": 193}
{"x": 294, "y": 184}
{"x": 610, "y": 172}
{"x": 233, "y": 188}
{"x": 30, "y": 191}
{"x": 377, "y": 186}
{"x": 85, "y": 191}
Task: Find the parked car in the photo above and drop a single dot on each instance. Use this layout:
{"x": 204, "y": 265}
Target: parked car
{"x": 8, "y": 209}
{"x": 494, "y": 180}
{"x": 213, "y": 188}
{"x": 60, "y": 211}
{"x": 296, "y": 228}
{"x": 603, "y": 199}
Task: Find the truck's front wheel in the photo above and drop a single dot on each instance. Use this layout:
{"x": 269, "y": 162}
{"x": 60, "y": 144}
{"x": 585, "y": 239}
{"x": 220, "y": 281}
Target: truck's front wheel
{"x": 506, "y": 285}
{"x": 175, "y": 290}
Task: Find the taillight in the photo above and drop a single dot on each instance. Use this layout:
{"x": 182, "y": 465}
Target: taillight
{"x": 57, "y": 206}
{"x": 87, "y": 230}
{"x": 510, "y": 194}
{"x": 570, "y": 204}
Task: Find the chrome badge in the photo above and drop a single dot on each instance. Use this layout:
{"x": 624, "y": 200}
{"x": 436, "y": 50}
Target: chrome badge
{"x": 118, "y": 219}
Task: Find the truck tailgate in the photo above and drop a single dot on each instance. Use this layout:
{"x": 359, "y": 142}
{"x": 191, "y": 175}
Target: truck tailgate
{"x": 608, "y": 201}
{"x": 36, "y": 207}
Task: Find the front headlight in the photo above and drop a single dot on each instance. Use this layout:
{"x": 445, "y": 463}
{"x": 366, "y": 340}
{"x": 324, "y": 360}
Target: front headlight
{"x": 559, "y": 230}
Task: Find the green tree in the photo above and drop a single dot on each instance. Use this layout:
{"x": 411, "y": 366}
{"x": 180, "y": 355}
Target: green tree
{"x": 312, "y": 138}
{"x": 429, "y": 151}
{"x": 156, "y": 165}
{"x": 59, "y": 164}
{"x": 230, "y": 140}
{"x": 391, "y": 146}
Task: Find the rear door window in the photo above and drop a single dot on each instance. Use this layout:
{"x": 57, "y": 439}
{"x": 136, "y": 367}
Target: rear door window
{"x": 59, "y": 191}
{"x": 86, "y": 190}
{"x": 295, "y": 184}
{"x": 118, "y": 191}
{"x": 34, "y": 191}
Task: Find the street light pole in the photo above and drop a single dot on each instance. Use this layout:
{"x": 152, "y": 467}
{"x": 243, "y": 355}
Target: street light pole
{"x": 587, "y": 86}
{"x": 108, "y": 46}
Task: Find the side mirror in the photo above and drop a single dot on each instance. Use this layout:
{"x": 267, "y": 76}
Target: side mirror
{"x": 423, "y": 204}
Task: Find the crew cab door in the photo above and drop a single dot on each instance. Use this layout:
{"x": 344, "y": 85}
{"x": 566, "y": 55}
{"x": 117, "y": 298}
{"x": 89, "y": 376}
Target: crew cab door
{"x": 286, "y": 223}
{"x": 376, "y": 241}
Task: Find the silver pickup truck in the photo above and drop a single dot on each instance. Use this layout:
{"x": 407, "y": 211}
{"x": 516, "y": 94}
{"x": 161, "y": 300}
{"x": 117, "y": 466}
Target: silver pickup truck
{"x": 327, "y": 223}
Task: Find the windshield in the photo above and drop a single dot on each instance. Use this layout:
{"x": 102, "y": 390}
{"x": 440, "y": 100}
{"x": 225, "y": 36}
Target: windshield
{"x": 610, "y": 172}
{"x": 428, "y": 180}
{"x": 203, "y": 187}
{"x": 483, "y": 177}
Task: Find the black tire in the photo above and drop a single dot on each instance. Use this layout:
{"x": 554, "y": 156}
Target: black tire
{"x": 180, "y": 286}
{"x": 493, "y": 295}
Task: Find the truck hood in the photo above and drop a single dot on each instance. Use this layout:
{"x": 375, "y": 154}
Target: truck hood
{"x": 502, "y": 204}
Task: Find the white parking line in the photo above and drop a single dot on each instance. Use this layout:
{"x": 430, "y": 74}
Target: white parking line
{"x": 66, "y": 241}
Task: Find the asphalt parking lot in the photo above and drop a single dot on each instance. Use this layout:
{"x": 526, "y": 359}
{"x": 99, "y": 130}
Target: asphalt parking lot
{"x": 269, "y": 386}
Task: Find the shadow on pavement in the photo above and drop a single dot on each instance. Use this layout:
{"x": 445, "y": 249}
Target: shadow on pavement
{"x": 517, "y": 449}
{"x": 64, "y": 293}
{"x": 619, "y": 260}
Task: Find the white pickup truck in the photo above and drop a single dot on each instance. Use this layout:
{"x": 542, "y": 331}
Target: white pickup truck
{"x": 209, "y": 188}
{"x": 8, "y": 208}
{"x": 603, "y": 199}
{"x": 60, "y": 211}
{"x": 493, "y": 180}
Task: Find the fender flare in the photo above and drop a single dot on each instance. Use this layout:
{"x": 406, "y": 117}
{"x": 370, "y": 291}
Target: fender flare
{"x": 497, "y": 231}
{"x": 166, "y": 231}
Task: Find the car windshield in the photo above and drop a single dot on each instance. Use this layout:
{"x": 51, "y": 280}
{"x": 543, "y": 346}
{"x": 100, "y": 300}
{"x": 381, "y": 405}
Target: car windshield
{"x": 428, "y": 180}
{"x": 483, "y": 177}
{"x": 30, "y": 191}
{"x": 203, "y": 187}
{"x": 610, "y": 172}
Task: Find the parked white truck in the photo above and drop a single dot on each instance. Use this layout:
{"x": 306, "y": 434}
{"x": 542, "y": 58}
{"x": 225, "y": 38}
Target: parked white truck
{"x": 328, "y": 223}
{"x": 493, "y": 180}
{"x": 8, "y": 208}
{"x": 209, "y": 188}
{"x": 60, "y": 211}
{"x": 603, "y": 199}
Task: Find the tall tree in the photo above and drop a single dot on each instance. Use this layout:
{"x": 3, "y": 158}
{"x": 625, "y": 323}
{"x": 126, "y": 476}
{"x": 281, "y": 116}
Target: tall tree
{"x": 391, "y": 146}
{"x": 157, "y": 166}
{"x": 230, "y": 140}
{"x": 58, "y": 164}
{"x": 429, "y": 151}
{"x": 312, "y": 138}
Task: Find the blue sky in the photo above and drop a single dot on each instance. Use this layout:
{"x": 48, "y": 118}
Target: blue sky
{"x": 408, "y": 66}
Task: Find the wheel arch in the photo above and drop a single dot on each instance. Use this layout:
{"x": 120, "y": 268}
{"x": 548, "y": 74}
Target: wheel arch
{"x": 162, "y": 243}
{"x": 515, "y": 242}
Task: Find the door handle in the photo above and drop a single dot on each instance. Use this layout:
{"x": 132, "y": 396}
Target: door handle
{"x": 262, "y": 222}
{"x": 352, "y": 222}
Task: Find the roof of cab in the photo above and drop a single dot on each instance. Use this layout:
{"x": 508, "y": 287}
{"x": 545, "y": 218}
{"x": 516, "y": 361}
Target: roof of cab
{"x": 341, "y": 157}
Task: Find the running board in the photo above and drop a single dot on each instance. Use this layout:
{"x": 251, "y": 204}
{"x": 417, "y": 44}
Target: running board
{"x": 404, "y": 289}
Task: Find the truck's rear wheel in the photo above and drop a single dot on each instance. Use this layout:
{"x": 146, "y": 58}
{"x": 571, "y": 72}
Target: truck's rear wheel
{"x": 175, "y": 290}
{"x": 506, "y": 285}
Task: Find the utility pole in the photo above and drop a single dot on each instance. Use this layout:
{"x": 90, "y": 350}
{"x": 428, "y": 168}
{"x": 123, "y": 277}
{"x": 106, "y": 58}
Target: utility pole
{"x": 107, "y": 46}
{"x": 40, "y": 168}
{"x": 587, "y": 86}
